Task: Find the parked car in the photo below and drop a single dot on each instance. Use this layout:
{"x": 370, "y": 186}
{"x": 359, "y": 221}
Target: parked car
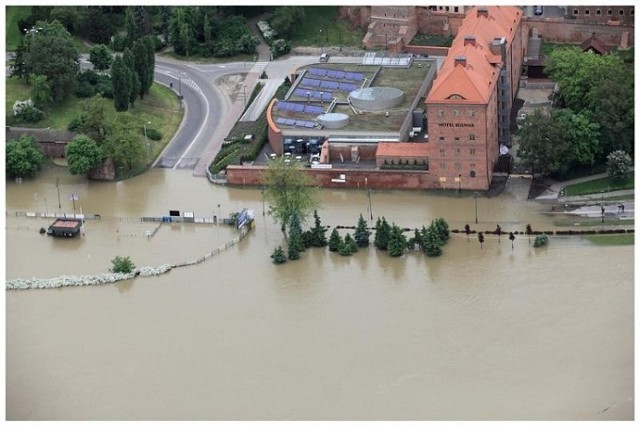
{"x": 537, "y": 10}
{"x": 324, "y": 57}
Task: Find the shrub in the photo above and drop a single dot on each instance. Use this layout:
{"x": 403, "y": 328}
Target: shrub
{"x": 541, "y": 240}
{"x": 122, "y": 265}
{"x": 76, "y": 124}
{"x": 42, "y": 230}
{"x": 30, "y": 114}
{"x": 85, "y": 90}
{"x": 278, "y": 256}
{"x": 154, "y": 134}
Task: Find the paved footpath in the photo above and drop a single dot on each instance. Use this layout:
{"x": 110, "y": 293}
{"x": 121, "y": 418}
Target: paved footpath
{"x": 596, "y": 205}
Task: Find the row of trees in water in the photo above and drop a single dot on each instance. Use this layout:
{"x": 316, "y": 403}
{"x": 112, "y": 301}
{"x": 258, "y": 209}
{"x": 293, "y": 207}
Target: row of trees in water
{"x": 387, "y": 237}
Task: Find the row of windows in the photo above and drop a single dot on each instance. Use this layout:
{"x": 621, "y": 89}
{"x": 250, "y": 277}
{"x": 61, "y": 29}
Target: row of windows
{"x": 458, "y": 168}
{"x": 457, "y": 151}
{"x": 456, "y": 113}
{"x": 599, "y": 12}
{"x": 472, "y": 137}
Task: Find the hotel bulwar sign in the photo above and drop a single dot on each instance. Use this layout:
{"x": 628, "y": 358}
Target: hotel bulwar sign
{"x": 456, "y": 125}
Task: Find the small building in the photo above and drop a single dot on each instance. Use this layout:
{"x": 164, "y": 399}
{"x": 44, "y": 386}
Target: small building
{"x": 414, "y": 154}
{"x": 52, "y": 142}
{"x": 65, "y": 227}
{"x": 595, "y": 45}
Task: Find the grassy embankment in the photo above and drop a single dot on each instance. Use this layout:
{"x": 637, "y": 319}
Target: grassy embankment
{"x": 13, "y": 34}
{"x": 319, "y": 27}
{"x": 160, "y": 107}
{"x": 600, "y": 185}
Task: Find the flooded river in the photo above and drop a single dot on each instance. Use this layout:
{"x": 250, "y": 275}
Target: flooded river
{"x": 493, "y": 333}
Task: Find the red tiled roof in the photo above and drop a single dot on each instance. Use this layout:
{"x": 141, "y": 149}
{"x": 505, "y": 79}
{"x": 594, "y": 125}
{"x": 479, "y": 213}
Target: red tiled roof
{"x": 402, "y": 149}
{"x": 596, "y": 44}
{"x": 473, "y": 78}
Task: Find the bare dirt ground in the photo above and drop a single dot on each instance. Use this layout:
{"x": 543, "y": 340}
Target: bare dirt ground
{"x": 231, "y": 84}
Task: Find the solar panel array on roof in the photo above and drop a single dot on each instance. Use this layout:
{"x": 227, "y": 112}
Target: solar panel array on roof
{"x": 281, "y": 121}
{"x": 328, "y": 84}
{"x": 318, "y": 71}
{"x": 356, "y": 77}
{"x": 313, "y": 109}
{"x": 325, "y": 96}
{"x": 310, "y": 82}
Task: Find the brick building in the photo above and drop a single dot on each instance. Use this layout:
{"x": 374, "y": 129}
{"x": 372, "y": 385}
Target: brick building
{"x": 469, "y": 104}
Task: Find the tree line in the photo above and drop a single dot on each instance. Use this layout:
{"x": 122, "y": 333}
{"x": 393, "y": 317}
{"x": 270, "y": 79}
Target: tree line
{"x": 592, "y": 119}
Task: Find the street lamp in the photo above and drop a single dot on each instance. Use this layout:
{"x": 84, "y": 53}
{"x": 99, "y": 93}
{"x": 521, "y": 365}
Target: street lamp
{"x": 33, "y": 31}
{"x": 475, "y": 198}
{"x": 459, "y": 183}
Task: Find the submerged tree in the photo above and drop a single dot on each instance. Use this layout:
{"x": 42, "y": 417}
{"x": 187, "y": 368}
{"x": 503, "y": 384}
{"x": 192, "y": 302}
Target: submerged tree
{"x": 278, "y": 256}
{"x": 362, "y": 233}
{"x": 397, "y": 241}
{"x": 335, "y": 241}
{"x": 289, "y": 191}
{"x": 295, "y": 241}
{"x": 481, "y": 238}
{"x": 122, "y": 265}
{"x": 317, "y": 237}
{"x": 383, "y": 233}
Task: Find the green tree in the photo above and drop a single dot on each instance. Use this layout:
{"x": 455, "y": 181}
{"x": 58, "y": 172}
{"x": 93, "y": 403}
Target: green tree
{"x": 93, "y": 117}
{"x": 100, "y": 57}
{"x": 52, "y": 53}
{"x": 348, "y": 246}
{"x": 122, "y": 265}
{"x": 132, "y": 28}
{"x": 295, "y": 241}
{"x": 362, "y": 233}
{"x": 124, "y": 143}
{"x": 121, "y": 80}
{"x": 382, "y": 234}
{"x": 23, "y": 157}
{"x": 40, "y": 91}
{"x": 581, "y": 134}
{"x": 67, "y": 15}
{"x": 83, "y": 155}
{"x": 335, "y": 241}
{"x": 619, "y": 165}
{"x": 95, "y": 24}
{"x": 141, "y": 66}
{"x": 182, "y": 31}
{"x": 134, "y": 86}
{"x": 317, "y": 236}
{"x": 432, "y": 241}
{"x": 289, "y": 191}
{"x": 278, "y": 256}
{"x": 397, "y": 241}
{"x": 285, "y": 18}
{"x": 442, "y": 228}
{"x": 542, "y": 144}
{"x": 612, "y": 107}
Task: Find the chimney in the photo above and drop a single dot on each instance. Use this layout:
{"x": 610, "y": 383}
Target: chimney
{"x": 496, "y": 45}
{"x": 470, "y": 39}
{"x": 462, "y": 60}
{"x": 483, "y": 11}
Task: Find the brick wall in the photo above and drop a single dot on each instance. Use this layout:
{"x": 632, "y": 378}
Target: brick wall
{"x": 570, "y": 31}
{"x": 400, "y": 180}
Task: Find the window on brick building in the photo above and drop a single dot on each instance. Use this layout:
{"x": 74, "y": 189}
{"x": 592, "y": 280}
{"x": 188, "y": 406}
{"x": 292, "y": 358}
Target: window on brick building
{"x": 458, "y": 166}
{"x": 576, "y": 12}
{"x": 457, "y": 151}
{"x": 587, "y": 12}
{"x": 609, "y": 11}
{"x": 456, "y": 113}
{"x": 472, "y": 151}
{"x": 440, "y": 113}
{"x": 621, "y": 12}
{"x": 598, "y": 12}
{"x": 442, "y": 152}
{"x": 472, "y": 174}
{"x": 442, "y": 138}
{"x": 455, "y": 9}
{"x": 457, "y": 138}
{"x": 446, "y": 8}
{"x": 472, "y": 137}
{"x": 472, "y": 113}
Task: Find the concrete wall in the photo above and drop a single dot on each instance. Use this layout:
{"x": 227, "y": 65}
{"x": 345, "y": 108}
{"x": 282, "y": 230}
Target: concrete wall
{"x": 410, "y": 180}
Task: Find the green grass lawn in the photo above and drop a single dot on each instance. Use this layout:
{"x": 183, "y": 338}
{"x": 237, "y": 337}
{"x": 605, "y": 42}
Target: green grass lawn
{"x": 159, "y": 110}
{"x": 611, "y": 240}
{"x": 12, "y": 32}
{"x": 599, "y": 185}
{"x": 320, "y": 27}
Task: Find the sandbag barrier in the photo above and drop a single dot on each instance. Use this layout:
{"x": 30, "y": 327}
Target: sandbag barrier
{"x": 107, "y": 278}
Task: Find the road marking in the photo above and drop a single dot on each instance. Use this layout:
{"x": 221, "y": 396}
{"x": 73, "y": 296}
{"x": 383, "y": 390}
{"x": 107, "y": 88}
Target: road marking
{"x": 206, "y": 117}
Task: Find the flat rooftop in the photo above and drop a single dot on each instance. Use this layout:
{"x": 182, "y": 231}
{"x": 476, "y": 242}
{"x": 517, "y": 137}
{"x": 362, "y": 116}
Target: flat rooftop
{"x": 324, "y": 88}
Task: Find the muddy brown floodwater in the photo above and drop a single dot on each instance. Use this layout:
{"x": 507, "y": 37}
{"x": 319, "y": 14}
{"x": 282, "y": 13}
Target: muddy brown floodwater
{"x": 492, "y": 333}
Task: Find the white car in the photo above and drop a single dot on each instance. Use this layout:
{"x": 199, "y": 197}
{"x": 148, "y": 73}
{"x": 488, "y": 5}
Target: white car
{"x": 324, "y": 57}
